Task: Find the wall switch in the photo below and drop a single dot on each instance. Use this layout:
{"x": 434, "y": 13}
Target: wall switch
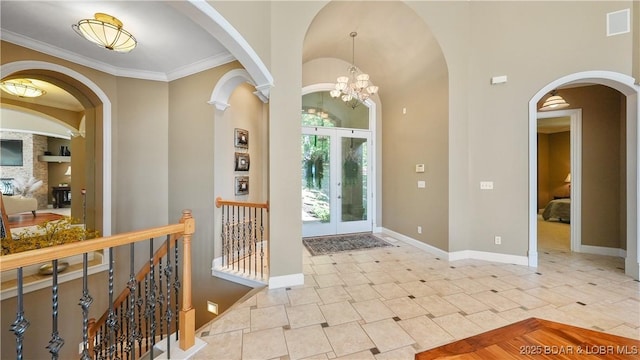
{"x": 419, "y": 168}
{"x": 422, "y": 184}
{"x": 498, "y": 240}
{"x": 419, "y": 229}
{"x": 486, "y": 185}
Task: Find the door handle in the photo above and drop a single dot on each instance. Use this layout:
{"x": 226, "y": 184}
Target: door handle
{"x": 339, "y": 197}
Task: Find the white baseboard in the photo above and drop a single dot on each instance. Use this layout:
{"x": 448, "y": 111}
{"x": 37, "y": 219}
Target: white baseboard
{"x": 276, "y": 282}
{"x": 176, "y": 352}
{"x": 602, "y": 250}
{"x": 489, "y": 256}
{"x": 419, "y": 244}
{"x": 459, "y": 255}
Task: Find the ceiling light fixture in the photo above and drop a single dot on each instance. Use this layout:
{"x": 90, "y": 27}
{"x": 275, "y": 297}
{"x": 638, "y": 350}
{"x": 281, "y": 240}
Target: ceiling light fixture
{"x": 106, "y": 31}
{"x": 21, "y": 88}
{"x": 554, "y": 102}
{"x": 355, "y": 87}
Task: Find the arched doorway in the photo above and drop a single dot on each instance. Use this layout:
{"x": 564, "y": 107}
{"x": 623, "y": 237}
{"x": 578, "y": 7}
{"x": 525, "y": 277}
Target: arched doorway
{"x": 338, "y": 164}
{"x": 98, "y": 130}
{"x": 625, "y": 85}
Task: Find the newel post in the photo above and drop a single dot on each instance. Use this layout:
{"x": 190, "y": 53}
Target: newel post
{"x": 188, "y": 313}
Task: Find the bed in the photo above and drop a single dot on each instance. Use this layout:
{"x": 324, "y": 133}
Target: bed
{"x": 559, "y": 209}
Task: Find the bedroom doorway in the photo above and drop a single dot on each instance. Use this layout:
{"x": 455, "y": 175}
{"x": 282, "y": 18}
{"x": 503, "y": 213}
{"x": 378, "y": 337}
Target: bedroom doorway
{"x": 611, "y": 173}
{"x": 559, "y": 157}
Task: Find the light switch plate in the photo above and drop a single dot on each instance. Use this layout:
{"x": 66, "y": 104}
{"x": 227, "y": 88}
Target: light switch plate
{"x": 422, "y": 184}
{"x": 420, "y": 168}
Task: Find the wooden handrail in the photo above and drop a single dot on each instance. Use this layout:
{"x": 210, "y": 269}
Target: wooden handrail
{"x": 37, "y": 256}
{"x": 220, "y": 202}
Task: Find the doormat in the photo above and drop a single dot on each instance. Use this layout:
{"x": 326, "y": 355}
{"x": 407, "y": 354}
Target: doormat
{"x": 324, "y": 245}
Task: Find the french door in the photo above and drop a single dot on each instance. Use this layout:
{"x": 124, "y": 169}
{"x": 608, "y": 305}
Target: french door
{"x": 336, "y": 176}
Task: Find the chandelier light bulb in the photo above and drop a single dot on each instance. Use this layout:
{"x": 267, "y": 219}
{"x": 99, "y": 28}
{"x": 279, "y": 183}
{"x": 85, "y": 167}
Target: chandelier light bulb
{"x": 356, "y": 87}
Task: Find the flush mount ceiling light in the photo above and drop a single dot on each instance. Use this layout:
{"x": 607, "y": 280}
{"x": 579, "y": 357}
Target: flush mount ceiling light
{"x": 554, "y": 102}
{"x": 106, "y": 31}
{"x": 21, "y": 88}
{"x": 355, "y": 87}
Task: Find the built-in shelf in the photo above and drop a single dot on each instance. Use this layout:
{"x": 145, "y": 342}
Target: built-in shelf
{"x": 52, "y": 158}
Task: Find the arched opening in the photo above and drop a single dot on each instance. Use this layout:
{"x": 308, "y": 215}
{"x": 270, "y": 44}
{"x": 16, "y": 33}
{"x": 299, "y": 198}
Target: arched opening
{"x": 96, "y": 160}
{"x": 333, "y": 137}
{"x": 625, "y": 85}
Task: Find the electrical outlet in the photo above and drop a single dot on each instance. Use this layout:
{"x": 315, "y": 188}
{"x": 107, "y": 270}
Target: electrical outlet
{"x": 498, "y": 240}
{"x": 419, "y": 229}
{"x": 486, "y": 185}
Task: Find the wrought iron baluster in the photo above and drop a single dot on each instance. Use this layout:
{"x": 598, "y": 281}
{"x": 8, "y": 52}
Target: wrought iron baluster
{"x": 255, "y": 241}
{"x": 244, "y": 241}
{"x": 132, "y": 284}
{"x": 176, "y": 286}
{"x": 21, "y": 324}
{"x": 236, "y": 246}
{"x": 85, "y": 302}
{"x": 160, "y": 296}
{"x": 261, "y": 245}
{"x": 250, "y": 237}
{"x": 56, "y": 341}
{"x": 146, "y": 309}
{"x": 168, "y": 315}
{"x": 139, "y": 328}
{"x": 151, "y": 300}
{"x": 112, "y": 320}
{"x": 225, "y": 235}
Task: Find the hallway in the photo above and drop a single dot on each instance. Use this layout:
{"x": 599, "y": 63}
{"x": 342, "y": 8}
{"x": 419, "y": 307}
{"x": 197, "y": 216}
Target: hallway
{"x": 391, "y": 303}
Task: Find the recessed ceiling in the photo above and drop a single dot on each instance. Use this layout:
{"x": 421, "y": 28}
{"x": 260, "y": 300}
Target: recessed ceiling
{"x": 170, "y": 45}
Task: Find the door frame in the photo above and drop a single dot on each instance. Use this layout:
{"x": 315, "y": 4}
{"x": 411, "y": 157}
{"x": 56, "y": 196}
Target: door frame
{"x": 575, "y": 132}
{"x": 376, "y": 167}
{"x": 336, "y": 226}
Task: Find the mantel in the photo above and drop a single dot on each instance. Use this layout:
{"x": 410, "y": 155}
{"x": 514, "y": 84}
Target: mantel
{"x": 52, "y": 158}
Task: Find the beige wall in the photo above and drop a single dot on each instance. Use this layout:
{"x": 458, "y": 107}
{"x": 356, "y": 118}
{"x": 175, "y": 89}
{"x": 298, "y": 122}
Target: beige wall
{"x": 554, "y": 163}
{"x": 603, "y": 154}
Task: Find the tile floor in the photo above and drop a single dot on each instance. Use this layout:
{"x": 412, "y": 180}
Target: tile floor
{"x": 390, "y": 303}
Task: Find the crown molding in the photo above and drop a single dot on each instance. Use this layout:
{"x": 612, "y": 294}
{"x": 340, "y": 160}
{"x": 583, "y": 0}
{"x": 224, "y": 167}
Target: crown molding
{"x": 187, "y": 70}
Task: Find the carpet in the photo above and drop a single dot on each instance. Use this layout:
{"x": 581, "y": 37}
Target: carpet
{"x": 324, "y": 245}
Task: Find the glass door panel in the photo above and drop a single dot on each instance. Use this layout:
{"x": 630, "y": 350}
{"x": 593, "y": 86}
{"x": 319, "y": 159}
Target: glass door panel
{"x": 354, "y": 182}
{"x": 335, "y": 181}
{"x": 316, "y": 184}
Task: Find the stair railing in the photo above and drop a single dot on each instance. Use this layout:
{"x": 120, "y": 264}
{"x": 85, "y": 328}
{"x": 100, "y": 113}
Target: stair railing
{"x": 244, "y": 238}
{"x": 122, "y": 330}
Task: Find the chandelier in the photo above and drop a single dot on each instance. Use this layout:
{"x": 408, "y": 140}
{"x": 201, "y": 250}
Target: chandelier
{"x": 355, "y": 87}
{"x": 106, "y": 31}
{"x": 554, "y": 102}
{"x": 21, "y": 88}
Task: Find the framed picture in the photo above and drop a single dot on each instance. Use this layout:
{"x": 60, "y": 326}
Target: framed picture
{"x": 242, "y": 185}
{"x": 242, "y": 161}
{"x": 241, "y": 138}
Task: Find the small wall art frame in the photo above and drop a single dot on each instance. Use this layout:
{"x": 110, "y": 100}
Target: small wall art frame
{"x": 242, "y": 162}
{"x": 241, "y": 138}
{"x": 242, "y": 185}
